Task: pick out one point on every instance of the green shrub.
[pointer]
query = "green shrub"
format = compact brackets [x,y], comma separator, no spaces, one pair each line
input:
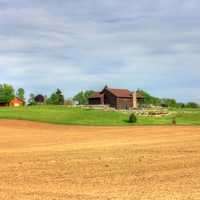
[132,118]
[174,121]
[192,105]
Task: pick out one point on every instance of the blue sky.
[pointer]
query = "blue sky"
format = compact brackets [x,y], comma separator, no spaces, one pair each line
[85,44]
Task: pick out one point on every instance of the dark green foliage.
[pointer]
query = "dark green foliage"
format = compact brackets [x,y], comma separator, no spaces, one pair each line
[151,100]
[7,93]
[20,93]
[181,105]
[56,98]
[192,105]
[169,103]
[165,102]
[60,97]
[82,97]
[53,99]
[148,99]
[132,118]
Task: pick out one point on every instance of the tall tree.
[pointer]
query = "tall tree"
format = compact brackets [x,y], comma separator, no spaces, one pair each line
[56,98]
[148,99]
[31,100]
[192,105]
[60,95]
[7,93]
[20,93]
[82,97]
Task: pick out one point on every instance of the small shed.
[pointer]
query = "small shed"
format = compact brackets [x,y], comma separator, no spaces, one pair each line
[16,102]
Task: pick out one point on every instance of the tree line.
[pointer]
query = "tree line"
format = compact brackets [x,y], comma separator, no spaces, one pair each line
[166,102]
[56,98]
[82,98]
[7,93]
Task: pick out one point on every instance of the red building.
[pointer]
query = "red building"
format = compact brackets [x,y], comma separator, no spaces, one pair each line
[16,102]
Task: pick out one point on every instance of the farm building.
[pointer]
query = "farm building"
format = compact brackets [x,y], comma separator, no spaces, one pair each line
[16,102]
[116,98]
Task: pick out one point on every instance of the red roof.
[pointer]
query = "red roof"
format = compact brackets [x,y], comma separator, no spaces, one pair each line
[17,100]
[120,92]
[116,92]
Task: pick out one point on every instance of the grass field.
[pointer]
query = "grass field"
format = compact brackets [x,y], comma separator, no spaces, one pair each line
[52,162]
[82,116]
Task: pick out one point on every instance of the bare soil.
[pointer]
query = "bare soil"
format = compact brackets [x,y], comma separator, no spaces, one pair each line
[50,162]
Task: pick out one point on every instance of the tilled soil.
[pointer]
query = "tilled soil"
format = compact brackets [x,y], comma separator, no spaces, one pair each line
[50,162]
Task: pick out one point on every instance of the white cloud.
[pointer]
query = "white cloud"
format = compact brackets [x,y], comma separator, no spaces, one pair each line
[89,43]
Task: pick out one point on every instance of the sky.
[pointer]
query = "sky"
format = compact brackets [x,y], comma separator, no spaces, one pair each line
[86,44]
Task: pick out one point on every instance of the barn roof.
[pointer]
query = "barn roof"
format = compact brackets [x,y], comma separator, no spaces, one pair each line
[123,93]
[18,99]
[120,92]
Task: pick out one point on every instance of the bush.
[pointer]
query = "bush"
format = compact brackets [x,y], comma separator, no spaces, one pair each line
[82,97]
[132,118]
[192,105]
[174,121]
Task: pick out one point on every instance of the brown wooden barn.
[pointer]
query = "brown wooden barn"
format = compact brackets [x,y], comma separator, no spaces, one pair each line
[116,98]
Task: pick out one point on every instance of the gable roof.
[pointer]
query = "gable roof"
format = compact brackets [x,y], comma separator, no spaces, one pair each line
[120,92]
[17,99]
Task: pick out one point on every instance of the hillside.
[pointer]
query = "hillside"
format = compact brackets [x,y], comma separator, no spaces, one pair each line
[84,116]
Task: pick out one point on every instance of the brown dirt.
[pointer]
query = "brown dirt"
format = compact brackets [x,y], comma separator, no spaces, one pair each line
[50,162]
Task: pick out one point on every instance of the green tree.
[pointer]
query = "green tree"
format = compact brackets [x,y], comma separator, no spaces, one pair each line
[192,105]
[56,98]
[181,105]
[148,99]
[53,99]
[7,93]
[31,100]
[61,98]
[82,97]
[20,93]
[169,103]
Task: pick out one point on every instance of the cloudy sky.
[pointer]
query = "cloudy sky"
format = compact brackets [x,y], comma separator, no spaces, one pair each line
[85,44]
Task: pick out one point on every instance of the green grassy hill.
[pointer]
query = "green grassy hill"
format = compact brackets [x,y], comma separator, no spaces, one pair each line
[83,116]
